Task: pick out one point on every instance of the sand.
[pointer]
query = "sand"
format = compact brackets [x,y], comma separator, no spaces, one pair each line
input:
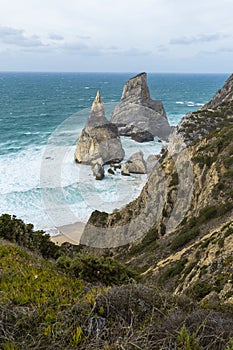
[69,233]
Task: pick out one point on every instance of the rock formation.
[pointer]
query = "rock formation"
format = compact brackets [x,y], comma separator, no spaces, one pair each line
[99,138]
[142,136]
[151,161]
[98,171]
[136,163]
[186,181]
[137,112]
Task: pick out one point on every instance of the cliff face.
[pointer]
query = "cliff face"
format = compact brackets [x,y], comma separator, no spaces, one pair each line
[183,216]
[138,112]
[99,140]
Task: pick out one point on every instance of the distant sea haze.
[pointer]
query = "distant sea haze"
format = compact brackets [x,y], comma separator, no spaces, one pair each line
[34,106]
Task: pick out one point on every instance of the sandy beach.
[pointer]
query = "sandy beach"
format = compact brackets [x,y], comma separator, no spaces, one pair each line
[69,233]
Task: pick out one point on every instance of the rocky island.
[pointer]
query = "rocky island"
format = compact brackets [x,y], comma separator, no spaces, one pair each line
[137,115]
[99,141]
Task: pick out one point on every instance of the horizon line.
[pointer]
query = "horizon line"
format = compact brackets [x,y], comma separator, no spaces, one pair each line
[107,72]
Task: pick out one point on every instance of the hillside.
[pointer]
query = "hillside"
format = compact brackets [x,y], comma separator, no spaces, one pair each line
[157,274]
[184,213]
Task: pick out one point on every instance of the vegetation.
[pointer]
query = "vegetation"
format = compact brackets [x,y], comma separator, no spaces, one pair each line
[96,269]
[16,231]
[67,298]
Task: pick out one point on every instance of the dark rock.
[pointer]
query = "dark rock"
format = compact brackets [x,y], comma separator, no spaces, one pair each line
[117,167]
[142,136]
[110,171]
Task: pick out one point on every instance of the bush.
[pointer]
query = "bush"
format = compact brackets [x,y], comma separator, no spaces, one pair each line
[186,340]
[199,290]
[173,270]
[16,231]
[97,269]
[207,213]
[184,237]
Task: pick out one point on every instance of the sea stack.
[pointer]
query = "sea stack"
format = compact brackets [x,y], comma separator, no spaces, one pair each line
[138,114]
[99,141]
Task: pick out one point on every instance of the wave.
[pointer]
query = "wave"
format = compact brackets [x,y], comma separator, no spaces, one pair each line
[190,103]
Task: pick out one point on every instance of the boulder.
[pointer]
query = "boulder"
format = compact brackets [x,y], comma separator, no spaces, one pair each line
[125,169]
[110,171]
[136,163]
[138,112]
[99,138]
[142,136]
[98,171]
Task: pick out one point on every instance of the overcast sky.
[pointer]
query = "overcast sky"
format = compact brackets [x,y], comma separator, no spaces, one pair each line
[116,36]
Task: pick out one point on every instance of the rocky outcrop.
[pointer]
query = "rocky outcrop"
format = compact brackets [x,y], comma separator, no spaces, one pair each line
[125,169]
[182,183]
[214,115]
[151,161]
[99,138]
[98,171]
[137,112]
[142,136]
[136,163]
[224,95]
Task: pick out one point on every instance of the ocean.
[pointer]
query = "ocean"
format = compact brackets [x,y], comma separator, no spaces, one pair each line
[41,117]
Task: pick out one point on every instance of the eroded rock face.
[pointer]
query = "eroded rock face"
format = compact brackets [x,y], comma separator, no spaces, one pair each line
[99,138]
[151,161]
[137,112]
[182,182]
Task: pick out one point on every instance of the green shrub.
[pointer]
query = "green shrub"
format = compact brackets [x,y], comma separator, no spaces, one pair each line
[96,269]
[184,237]
[98,218]
[173,270]
[174,180]
[148,243]
[16,231]
[229,174]
[186,340]
[228,162]
[207,213]
[199,290]
[230,345]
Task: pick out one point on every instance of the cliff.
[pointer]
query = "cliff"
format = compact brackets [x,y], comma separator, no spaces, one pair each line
[184,210]
[214,115]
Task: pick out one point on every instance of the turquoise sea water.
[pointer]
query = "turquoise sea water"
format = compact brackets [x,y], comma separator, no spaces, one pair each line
[35,113]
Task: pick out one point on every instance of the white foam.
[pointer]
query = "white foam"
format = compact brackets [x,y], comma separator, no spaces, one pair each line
[43,184]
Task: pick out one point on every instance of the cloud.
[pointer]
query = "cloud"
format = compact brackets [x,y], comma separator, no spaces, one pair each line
[16,37]
[84,37]
[56,37]
[201,38]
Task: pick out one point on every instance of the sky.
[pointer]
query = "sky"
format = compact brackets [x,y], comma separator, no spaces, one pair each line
[117,36]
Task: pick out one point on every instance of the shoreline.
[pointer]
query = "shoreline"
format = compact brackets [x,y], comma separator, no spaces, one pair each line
[69,233]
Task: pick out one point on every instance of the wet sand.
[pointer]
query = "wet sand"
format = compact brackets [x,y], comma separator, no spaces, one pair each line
[69,233]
